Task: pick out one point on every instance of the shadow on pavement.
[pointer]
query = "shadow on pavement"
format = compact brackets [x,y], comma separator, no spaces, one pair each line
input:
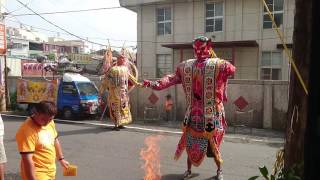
[211,178]
[12,176]
[85,131]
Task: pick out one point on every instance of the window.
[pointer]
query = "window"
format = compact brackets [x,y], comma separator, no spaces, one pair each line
[68,88]
[87,89]
[271,64]
[75,50]
[164,64]
[17,46]
[46,47]
[276,9]
[164,21]
[214,16]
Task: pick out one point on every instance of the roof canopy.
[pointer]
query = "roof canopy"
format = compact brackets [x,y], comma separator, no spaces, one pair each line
[69,77]
[225,44]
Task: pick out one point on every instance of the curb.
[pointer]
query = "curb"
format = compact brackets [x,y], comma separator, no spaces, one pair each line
[235,138]
[277,142]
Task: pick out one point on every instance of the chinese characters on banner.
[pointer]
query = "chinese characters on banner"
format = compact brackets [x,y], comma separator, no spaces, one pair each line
[32,69]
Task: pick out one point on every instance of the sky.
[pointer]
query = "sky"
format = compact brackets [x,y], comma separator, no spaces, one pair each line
[119,25]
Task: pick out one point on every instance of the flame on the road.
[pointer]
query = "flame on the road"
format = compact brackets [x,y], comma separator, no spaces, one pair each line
[150,155]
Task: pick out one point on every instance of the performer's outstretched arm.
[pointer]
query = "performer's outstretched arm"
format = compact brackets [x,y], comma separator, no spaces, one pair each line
[226,70]
[134,80]
[164,82]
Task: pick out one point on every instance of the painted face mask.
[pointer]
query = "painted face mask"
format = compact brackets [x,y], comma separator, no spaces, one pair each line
[121,60]
[201,46]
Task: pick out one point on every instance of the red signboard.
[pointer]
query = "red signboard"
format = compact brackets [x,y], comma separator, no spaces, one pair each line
[34,69]
[3,44]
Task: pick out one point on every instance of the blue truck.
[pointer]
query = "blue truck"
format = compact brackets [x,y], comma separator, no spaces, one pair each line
[77,95]
[74,94]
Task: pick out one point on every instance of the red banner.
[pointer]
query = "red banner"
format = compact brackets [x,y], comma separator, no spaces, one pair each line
[3,44]
[33,69]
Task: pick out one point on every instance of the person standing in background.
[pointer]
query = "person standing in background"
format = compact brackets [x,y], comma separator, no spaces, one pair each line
[168,106]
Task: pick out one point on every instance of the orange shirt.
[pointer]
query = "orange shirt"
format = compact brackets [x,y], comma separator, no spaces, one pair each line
[168,105]
[39,141]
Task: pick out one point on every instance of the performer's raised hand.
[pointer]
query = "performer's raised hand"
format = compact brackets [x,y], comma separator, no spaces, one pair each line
[140,85]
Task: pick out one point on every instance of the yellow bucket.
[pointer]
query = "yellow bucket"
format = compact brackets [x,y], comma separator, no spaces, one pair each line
[70,171]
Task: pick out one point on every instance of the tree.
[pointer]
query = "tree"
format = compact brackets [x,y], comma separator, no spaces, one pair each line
[299,138]
[312,136]
[52,56]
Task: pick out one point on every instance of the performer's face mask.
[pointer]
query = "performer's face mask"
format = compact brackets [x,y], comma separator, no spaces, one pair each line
[201,48]
[121,60]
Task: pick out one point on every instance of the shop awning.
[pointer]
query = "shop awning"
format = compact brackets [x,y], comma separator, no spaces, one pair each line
[225,44]
[280,46]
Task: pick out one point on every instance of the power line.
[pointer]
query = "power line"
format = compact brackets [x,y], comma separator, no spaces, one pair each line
[36,27]
[19,7]
[14,17]
[79,20]
[70,11]
[115,7]
[126,40]
[72,34]
[84,38]
[97,9]
[43,29]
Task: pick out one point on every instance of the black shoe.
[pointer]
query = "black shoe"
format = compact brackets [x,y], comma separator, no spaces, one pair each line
[187,174]
[121,127]
[116,129]
[219,175]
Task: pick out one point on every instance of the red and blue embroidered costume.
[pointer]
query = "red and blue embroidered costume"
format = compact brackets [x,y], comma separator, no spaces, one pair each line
[204,81]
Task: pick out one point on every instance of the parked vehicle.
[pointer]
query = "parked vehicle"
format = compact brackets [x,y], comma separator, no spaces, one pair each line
[74,94]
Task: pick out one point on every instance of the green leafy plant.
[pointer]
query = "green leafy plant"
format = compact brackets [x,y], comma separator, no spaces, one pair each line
[279,172]
[281,175]
[51,56]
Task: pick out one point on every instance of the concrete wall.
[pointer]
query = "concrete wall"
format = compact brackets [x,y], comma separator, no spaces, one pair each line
[245,60]
[267,103]
[247,63]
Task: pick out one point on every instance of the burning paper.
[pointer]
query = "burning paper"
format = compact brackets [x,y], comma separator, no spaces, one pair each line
[150,155]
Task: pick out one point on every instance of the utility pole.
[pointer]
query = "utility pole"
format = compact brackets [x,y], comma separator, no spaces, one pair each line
[3,47]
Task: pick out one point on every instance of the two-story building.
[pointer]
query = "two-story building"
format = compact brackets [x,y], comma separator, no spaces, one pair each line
[241,30]
[242,33]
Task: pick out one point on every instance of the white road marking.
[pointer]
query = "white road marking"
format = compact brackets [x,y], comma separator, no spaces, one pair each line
[105,125]
[230,138]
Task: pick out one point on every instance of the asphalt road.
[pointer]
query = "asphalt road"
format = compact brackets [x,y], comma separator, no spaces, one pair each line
[102,154]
